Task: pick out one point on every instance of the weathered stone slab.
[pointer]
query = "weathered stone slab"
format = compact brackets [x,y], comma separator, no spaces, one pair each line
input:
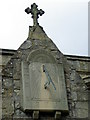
[39,98]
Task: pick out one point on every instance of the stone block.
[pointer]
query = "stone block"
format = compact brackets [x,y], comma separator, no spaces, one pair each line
[81,109]
[17,84]
[35,114]
[72,76]
[57,115]
[16,65]
[7,83]
[27,44]
[74,96]
[82,105]
[20,115]
[83,66]
[5,59]
[16,75]
[17,98]
[82,96]
[81,113]
[7,106]
[7,117]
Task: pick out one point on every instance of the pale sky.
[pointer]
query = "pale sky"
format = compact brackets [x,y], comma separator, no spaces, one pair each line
[64,21]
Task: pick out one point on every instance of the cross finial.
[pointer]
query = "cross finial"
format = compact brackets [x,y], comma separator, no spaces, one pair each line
[35,13]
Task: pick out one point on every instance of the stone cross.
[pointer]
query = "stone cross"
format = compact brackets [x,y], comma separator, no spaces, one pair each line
[35,13]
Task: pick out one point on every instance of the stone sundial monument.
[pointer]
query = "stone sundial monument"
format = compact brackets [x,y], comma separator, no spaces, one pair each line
[40,79]
[43,73]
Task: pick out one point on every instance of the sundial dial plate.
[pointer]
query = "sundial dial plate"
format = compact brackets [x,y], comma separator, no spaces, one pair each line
[35,96]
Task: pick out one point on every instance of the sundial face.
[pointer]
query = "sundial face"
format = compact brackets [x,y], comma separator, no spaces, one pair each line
[43,84]
[44,89]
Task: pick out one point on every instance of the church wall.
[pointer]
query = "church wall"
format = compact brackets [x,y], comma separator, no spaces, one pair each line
[80,93]
[77,92]
[5,56]
[80,63]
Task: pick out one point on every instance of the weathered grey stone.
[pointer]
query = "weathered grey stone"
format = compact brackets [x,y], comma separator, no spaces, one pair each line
[7,106]
[7,83]
[5,59]
[8,93]
[57,115]
[81,113]
[82,96]
[72,76]
[20,115]
[16,75]
[35,115]
[81,109]
[8,72]
[74,96]
[27,44]
[17,84]
[37,32]
[68,84]
[82,105]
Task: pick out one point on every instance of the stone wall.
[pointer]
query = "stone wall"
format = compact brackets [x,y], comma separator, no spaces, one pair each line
[5,56]
[79,89]
[78,93]
[82,67]
[80,63]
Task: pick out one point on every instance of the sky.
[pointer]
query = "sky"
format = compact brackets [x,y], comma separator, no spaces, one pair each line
[64,21]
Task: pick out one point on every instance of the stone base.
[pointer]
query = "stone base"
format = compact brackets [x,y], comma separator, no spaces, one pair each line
[35,114]
[57,115]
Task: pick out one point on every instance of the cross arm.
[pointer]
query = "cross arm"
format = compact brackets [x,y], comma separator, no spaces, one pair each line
[28,10]
[41,12]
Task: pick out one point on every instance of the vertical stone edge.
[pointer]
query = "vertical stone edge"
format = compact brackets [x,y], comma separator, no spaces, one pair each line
[1,86]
